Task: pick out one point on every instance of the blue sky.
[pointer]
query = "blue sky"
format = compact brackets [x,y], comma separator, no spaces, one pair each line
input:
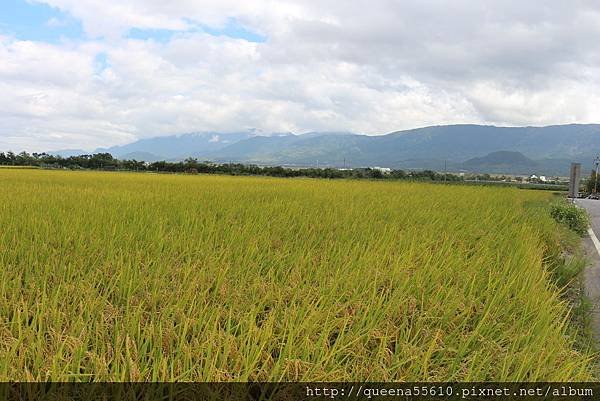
[37,22]
[40,22]
[232,29]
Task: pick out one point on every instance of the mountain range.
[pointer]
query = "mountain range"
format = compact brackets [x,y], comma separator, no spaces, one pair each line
[478,148]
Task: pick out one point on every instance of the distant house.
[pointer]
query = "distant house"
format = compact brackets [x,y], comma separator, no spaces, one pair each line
[536,178]
[384,170]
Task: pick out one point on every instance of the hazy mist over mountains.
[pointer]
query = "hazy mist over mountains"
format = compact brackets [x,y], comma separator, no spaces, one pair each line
[518,150]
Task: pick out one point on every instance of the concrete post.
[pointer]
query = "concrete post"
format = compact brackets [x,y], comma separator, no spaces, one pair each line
[574,180]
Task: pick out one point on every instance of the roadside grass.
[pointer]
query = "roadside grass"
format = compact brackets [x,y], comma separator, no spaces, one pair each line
[573,217]
[137,277]
[566,260]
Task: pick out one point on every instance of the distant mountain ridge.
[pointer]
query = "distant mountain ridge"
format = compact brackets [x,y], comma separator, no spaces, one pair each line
[179,146]
[501,157]
[67,152]
[457,147]
[550,148]
[501,161]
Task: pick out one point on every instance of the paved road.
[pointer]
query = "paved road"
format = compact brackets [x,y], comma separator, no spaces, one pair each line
[593,208]
[592,272]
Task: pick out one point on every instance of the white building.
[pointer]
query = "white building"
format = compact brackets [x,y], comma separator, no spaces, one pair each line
[384,170]
[534,177]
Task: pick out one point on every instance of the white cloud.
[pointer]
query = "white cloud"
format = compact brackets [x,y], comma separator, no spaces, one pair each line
[56,22]
[371,67]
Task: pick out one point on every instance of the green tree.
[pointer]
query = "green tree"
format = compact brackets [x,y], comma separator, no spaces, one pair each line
[589,185]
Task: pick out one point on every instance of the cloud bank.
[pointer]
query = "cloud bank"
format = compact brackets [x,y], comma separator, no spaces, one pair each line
[369,67]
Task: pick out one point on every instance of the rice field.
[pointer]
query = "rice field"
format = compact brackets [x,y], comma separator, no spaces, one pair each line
[145,277]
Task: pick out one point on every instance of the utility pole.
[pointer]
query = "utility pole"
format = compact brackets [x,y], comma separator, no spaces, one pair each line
[597,161]
[445,170]
[344,163]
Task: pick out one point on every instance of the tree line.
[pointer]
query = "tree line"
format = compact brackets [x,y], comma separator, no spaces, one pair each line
[105,161]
